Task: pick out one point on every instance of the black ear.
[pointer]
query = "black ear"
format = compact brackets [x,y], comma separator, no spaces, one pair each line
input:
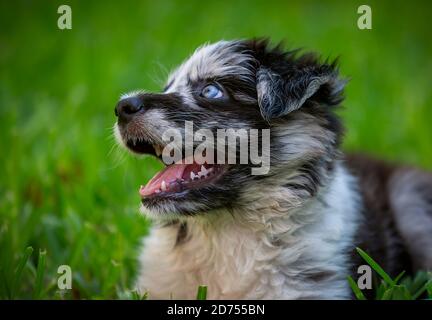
[286,82]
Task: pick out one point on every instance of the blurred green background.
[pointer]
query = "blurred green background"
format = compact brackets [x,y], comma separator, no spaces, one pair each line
[65,187]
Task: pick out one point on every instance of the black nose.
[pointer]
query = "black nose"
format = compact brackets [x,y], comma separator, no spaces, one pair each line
[128,107]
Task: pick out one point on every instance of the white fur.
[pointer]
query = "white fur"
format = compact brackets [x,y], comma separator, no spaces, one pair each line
[271,249]
[212,60]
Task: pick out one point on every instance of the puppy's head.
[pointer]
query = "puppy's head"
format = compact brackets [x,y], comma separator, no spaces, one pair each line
[244,84]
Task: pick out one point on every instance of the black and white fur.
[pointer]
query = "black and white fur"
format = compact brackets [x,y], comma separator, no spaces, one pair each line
[290,234]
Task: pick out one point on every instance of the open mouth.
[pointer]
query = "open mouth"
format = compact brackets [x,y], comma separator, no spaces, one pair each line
[178,177]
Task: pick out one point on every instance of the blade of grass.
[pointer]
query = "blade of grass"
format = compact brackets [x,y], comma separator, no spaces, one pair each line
[357,292]
[32,270]
[381,290]
[39,274]
[19,270]
[376,267]
[202,293]
[429,290]
[415,283]
[387,294]
[399,276]
[422,289]
[401,293]
[135,295]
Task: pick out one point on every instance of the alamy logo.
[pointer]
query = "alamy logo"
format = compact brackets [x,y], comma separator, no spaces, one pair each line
[244,146]
[65,19]
[64,281]
[365,280]
[364,22]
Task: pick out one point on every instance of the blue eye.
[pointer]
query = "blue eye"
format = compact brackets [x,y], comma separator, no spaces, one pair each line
[212,92]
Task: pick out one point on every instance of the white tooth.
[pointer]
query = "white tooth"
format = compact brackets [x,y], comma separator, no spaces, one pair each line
[158,150]
[192,175]
[203,170]
[163,185]
[157,191]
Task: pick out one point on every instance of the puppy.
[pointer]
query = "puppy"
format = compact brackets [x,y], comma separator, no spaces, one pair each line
[290,233]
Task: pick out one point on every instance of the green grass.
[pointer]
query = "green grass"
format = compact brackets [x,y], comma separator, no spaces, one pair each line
[66,190]
[399,288]
[202,293]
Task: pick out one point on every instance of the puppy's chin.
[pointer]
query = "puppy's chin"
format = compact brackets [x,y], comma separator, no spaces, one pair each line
[188,203]
[171,209]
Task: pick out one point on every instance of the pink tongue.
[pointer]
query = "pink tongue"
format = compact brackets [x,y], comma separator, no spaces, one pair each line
[169,174]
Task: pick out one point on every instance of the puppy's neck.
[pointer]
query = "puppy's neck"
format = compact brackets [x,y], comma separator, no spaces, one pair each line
[278,212]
